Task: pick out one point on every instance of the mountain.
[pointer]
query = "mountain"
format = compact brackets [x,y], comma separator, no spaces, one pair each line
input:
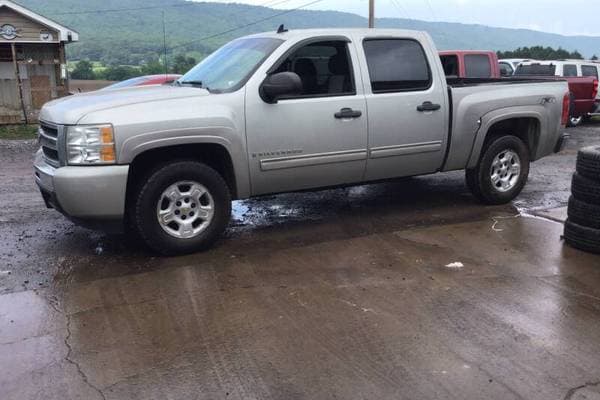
[133,37]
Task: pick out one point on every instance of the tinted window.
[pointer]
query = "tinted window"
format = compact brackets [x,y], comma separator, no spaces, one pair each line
[450,64]
[569,70]
[536,69]
[506,69]
[325,69]
[396,65]
[477,66]
[589,70]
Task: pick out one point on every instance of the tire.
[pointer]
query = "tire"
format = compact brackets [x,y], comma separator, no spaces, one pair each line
[585,189]
[479,179]
[179,177]
[588,162]
[582,238]
[584,214]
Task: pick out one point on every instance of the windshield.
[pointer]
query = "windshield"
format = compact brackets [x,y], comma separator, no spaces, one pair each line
[228,69]
[536,69]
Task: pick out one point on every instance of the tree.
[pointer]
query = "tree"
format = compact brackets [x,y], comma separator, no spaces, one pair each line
[120,73]
[83,70]
[541,53]
[182,64]
[594,58]
[153,67]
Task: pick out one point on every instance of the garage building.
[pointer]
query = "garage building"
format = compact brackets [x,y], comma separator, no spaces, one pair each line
[33,66]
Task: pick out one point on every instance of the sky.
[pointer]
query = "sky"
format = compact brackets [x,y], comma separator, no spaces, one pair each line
[555,16]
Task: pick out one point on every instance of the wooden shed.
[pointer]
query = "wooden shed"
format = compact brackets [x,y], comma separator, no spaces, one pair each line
[33,66]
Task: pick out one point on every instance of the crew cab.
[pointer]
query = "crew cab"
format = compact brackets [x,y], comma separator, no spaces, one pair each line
[470,64]
[287,111]
[583,84]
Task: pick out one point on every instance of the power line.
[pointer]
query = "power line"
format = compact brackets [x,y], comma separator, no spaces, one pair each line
[246,25]
[431,9]
[400,8]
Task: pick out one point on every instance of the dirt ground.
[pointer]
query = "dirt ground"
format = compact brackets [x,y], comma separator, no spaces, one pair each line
[409,289]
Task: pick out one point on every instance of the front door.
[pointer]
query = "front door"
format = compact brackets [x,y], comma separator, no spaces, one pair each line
[317,138]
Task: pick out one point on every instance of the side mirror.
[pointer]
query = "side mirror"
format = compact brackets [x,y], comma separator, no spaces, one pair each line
[280,85]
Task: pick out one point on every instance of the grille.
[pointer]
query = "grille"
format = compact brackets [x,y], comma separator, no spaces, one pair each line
[49,142]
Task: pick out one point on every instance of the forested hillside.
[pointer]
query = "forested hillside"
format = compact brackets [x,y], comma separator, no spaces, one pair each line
[136,37]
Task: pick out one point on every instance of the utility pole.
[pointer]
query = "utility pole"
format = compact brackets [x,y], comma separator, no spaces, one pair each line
[371,13]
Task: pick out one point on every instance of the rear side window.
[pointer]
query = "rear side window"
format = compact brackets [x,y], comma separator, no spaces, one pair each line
[450,64]
[589,70]
[397,65]
[569,70]
[477,66]
[536,69]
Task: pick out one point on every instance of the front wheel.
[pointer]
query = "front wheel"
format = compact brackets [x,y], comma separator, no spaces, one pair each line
[181,208]
[502,171]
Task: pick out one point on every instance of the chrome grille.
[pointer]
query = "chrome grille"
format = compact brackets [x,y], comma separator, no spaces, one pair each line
[49,139]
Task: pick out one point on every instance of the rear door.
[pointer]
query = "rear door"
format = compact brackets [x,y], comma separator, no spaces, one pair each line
[408,110]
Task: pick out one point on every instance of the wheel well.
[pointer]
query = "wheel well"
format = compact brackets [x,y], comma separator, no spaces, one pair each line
[526,129]
[213,155]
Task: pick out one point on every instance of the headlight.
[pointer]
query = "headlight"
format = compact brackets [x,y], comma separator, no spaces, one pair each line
[91,144]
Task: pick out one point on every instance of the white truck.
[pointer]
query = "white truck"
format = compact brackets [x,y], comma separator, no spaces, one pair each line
[287,111]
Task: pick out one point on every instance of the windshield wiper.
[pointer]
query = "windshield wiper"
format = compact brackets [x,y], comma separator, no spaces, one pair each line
[193,83]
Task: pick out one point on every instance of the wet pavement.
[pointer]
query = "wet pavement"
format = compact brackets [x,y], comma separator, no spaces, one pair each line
[409,289]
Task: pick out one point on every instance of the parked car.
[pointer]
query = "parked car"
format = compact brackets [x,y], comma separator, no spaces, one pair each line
[508,66]
[145,81]
[583,88]
[288,111]
[470,64]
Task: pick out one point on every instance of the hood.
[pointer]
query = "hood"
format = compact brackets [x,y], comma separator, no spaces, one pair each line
[69,110]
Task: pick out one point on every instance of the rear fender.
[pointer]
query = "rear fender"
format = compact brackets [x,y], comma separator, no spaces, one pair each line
[504,114]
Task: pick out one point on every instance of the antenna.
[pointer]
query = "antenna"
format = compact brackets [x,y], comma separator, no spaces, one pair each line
[165,43]
[282,29]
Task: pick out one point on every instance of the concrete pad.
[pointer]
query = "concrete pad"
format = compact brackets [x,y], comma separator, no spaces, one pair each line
[375,316]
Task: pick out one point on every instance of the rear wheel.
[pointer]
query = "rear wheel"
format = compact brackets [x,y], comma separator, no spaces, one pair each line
[502,171]
[182,207]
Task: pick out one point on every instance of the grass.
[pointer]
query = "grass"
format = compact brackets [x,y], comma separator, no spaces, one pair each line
[18,132]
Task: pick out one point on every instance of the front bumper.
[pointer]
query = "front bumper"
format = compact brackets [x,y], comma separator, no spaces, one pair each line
[85,193]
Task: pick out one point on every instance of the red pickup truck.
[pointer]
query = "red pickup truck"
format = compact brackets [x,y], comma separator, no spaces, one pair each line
[583,90]
[470,64]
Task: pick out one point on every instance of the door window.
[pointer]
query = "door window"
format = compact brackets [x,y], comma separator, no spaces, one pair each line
[477,66]
[325,69]
[569,70]
[506,69]
[397,65]
[589,70]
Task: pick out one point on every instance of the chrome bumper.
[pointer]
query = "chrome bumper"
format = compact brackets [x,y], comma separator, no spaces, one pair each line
[86,192]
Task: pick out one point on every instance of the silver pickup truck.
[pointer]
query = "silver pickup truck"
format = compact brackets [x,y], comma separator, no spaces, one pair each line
[287,111]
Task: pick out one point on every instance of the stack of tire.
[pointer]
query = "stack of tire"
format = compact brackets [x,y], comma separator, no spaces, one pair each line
[582,229]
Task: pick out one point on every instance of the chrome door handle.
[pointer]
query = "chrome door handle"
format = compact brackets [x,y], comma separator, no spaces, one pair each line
[428,106]
[348,113]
